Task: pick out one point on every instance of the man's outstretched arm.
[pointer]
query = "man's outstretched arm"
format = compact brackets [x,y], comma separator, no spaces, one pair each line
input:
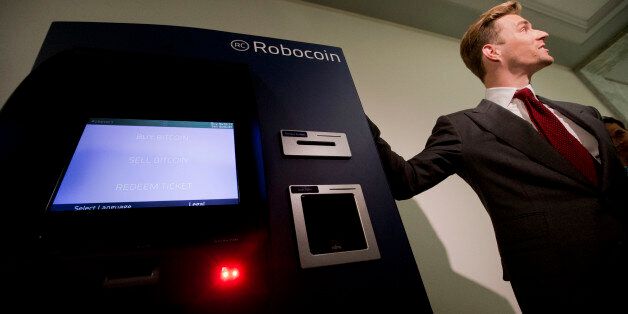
[439,159]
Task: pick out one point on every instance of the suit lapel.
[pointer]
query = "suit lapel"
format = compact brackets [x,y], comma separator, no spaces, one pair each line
[520,134]
[586,121]
[595,128]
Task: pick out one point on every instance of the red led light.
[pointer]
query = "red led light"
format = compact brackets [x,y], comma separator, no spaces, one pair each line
[229,273]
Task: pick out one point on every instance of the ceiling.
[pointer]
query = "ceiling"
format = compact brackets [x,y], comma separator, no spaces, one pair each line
[579,29]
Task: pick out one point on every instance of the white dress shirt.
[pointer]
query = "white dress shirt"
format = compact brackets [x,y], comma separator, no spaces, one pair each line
[503,96]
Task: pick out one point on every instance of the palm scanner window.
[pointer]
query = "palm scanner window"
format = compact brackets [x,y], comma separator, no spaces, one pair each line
[332,225]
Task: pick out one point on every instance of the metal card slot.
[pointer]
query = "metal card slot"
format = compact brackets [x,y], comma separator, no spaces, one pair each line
[314,144]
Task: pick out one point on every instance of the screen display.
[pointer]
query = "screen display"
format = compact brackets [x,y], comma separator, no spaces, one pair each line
[124,163]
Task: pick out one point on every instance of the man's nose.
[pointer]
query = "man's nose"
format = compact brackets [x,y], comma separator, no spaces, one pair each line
[542,34]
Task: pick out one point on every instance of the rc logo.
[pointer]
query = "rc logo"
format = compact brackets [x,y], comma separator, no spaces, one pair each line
[240,45]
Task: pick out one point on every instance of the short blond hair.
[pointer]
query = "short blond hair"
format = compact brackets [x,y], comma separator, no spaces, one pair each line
[482,32]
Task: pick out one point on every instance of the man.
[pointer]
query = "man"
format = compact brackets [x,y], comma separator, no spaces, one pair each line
[619,135]
[545,171]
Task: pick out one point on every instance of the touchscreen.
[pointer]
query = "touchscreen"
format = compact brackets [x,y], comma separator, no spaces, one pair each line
[124,163]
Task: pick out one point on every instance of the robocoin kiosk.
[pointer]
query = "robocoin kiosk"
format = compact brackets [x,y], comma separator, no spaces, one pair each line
[154,167]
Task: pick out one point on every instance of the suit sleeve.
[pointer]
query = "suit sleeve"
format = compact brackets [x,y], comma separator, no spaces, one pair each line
[440,159]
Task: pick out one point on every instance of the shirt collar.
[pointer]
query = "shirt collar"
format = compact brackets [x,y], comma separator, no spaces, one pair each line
[503,95]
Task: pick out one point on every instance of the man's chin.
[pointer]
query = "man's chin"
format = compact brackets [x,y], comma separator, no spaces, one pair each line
[545,62]
[548,60]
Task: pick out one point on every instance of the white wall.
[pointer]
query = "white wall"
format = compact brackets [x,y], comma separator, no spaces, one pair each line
[405,77]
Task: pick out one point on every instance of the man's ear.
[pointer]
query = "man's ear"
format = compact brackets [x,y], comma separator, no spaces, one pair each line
[491,52]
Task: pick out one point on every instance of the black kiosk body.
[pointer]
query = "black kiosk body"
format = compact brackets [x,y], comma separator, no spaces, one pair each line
[193,170]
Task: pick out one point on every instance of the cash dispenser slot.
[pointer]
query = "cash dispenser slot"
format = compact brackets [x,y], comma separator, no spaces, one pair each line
[130,273]
[316,143]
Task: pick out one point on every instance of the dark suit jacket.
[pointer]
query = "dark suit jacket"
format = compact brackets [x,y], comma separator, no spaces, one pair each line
[548,219]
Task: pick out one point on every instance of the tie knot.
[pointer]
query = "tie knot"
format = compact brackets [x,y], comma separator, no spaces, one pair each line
[523,94]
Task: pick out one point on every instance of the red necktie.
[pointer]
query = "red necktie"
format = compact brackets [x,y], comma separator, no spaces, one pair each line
[558,136]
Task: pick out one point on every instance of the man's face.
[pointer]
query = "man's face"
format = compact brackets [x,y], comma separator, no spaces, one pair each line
[521,47]
[620,140]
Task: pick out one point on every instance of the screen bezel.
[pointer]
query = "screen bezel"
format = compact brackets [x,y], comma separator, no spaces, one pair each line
[161,226]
